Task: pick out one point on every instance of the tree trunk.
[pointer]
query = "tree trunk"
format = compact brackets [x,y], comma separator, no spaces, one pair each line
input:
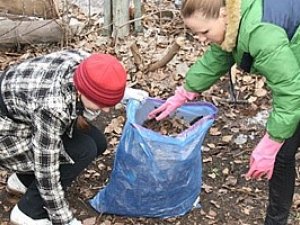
[121,16]
[37,8]
[28,32]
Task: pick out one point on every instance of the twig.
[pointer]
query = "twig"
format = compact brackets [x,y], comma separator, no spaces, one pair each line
[146,16]
[227,100]
[12,54]
[240,190]
[240,153]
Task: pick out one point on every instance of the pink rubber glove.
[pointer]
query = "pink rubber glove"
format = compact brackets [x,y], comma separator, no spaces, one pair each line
[172,103]
[263,158]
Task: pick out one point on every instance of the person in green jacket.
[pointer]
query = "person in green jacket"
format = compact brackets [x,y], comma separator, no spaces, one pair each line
[263,37]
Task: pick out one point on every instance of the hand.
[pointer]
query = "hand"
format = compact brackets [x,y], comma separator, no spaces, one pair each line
[172,103]
[137,94]
[75,222]
[263,158]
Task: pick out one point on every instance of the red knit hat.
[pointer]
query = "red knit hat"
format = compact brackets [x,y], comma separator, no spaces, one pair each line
[102,79]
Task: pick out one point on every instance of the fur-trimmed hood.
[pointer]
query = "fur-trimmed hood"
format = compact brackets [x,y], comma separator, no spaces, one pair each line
[233,12]
[258,37]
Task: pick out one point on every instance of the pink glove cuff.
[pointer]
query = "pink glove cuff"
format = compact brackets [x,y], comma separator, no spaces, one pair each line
[186,94]
[181,96]
[269,146]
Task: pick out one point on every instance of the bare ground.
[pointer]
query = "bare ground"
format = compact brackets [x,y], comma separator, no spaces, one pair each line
[226,197]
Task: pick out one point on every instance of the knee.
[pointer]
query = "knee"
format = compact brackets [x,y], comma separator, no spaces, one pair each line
[101,146]
[89,150]
[99,138]
[86,151]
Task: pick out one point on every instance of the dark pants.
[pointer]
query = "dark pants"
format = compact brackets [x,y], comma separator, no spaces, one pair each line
[83,148]
[281,186]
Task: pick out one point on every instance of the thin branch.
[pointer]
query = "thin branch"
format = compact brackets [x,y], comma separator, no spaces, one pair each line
[146,16]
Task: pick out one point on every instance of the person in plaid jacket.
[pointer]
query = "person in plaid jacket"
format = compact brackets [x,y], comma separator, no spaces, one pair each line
[46,136]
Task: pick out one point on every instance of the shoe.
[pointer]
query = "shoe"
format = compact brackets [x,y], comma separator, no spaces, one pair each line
[15,186]
[17,217]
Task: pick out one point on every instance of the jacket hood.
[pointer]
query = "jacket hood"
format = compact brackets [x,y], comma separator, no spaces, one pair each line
[233,11]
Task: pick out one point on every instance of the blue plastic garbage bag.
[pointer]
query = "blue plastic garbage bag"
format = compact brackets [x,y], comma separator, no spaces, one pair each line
[156,175]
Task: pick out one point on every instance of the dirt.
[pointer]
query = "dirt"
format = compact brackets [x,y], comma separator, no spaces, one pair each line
[227,198]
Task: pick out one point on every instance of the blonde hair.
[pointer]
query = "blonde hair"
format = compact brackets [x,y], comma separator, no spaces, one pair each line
[209,8]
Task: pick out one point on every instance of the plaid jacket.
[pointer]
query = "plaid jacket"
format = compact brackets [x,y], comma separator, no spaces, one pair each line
[41,101]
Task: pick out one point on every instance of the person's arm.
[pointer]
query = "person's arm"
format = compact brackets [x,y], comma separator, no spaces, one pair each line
[204,73]
[274,59]
[208,69]
[47,145]
[178,99]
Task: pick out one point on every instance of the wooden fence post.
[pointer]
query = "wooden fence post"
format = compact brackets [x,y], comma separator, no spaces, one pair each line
[107,17]
[116,17]
[138,14]
[120,17]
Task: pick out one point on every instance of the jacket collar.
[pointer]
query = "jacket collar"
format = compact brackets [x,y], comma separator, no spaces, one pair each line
[233,9]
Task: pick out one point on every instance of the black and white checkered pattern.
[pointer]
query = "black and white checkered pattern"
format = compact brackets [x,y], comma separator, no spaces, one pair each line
[41,101]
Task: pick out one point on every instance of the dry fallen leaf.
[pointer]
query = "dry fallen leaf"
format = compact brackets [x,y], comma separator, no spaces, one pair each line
[90,221]
[212,213]
[227,138]
[207,159]
[215,203]
[225,171]
[252,99]
[246,211]
[214,131]
[231,181]
[211,145]
[260,92]
[207,188]
[212,175]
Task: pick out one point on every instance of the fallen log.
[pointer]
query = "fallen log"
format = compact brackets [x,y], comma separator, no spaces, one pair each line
[29,32]
[47,9]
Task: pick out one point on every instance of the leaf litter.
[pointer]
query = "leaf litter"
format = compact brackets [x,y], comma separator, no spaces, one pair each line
[227,198]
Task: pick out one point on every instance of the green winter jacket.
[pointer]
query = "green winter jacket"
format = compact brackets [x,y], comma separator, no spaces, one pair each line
[272,54]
